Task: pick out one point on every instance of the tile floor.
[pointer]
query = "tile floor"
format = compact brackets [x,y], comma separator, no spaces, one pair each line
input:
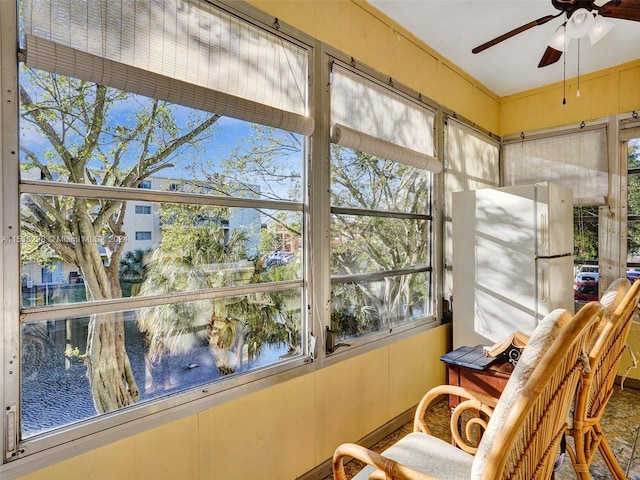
[621,422]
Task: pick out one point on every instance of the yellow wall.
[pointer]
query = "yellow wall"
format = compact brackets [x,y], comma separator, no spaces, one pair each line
[629,360]
[277,433]
[604,93]
[370,37]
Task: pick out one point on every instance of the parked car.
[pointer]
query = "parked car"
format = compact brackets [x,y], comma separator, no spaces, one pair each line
[633,275]
[588,273]
[585,291]
[279,258]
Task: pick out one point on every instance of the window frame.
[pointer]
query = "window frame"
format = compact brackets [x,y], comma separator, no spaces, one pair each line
[186,401]
[143,210]
[376,339]
[612,216]
[66,442]
[601,126]
[74,439]
[141,235]
[629,130]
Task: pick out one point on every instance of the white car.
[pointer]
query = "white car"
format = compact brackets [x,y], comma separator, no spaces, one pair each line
[279,258]
[588,273]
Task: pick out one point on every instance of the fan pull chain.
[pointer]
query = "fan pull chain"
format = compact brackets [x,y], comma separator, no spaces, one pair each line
[578,91]
[564,68]
[564,78]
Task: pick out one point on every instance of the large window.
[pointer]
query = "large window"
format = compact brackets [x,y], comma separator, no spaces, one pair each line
[578,159]
[164,207]
[381,207]
[161,204]
[630,137]
[200,246]
[471,162]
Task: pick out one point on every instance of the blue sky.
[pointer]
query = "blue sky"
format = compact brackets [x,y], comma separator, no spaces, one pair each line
[223,138]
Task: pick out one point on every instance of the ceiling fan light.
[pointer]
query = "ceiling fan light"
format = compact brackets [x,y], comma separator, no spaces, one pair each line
[601,26]
[580,23]
[557,41]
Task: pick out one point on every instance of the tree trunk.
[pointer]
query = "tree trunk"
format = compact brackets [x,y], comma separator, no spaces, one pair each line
[85,107]
[108,368]
[111,379]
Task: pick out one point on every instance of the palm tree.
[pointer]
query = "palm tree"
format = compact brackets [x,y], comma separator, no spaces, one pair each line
[132,265]
[195,259]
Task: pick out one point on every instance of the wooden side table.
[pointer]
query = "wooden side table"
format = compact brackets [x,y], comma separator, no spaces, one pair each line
[491,381]
[470,368]
[467,367]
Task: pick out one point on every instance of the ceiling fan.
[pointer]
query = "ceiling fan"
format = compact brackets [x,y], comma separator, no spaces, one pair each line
[582,17]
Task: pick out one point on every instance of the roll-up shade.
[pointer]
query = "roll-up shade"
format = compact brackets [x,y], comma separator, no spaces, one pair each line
[577,160]
[66,61]
[628,133]
[472,159]
[360,105]
[186,52]
[348,137]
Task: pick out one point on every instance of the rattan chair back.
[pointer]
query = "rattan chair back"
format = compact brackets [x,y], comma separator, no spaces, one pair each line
[596,388]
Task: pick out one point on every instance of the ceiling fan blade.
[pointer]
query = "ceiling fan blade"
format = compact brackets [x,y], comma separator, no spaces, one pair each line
[623,9]
[551,55]
[514,32]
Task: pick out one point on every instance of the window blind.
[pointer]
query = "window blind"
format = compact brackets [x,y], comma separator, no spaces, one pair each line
[577,160]
[356,140]
[627,133]
[472,161]
[183,51]
[372,118]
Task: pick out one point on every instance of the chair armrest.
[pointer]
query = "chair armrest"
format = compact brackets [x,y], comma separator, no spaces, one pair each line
[387,468]
[468,419]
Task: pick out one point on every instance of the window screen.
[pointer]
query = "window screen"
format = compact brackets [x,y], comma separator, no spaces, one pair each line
[189,53]
[577,160]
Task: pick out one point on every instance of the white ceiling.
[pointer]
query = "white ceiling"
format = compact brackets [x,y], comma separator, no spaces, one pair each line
[454,27]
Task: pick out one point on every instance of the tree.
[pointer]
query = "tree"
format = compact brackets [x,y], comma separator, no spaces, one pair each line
[98,136]
[377,243]
[197,253]
[585,232]
[368,244]
[268,164]
[633,200]
[132,265]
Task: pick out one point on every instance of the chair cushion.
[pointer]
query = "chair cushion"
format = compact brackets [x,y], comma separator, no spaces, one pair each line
[541,339]
[427,454]
[610,300]
[613,295]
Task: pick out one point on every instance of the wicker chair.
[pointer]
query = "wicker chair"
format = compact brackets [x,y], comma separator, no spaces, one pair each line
[596,386]
[525,425]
